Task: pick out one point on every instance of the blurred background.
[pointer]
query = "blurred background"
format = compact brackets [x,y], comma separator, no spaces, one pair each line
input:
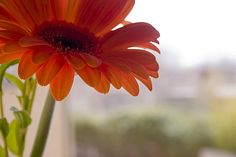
[191,111]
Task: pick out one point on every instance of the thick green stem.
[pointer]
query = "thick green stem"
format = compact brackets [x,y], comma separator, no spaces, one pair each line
[44,126]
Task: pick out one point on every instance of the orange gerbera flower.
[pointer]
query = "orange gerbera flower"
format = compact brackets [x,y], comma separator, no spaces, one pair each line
[55,39]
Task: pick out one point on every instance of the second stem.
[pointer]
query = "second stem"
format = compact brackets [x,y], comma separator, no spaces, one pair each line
[44,126]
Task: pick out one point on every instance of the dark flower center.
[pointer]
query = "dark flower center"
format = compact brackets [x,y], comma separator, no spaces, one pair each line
[66,37]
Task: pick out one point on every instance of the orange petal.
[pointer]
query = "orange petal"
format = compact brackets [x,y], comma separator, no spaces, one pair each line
[3,13]
[137,55]
[62,82]
[43,10]
[71,12]
[118,63]
[91,76]
[103,15]
[9,35]
[49,70]
[153,66]
[136,68]
[76,61]
[12,26]
[41,54]
[92,61]
[130,84]
[58,9]
[18,11]
[146,82]
[103,86]
[26,66]
[125,22]
[137,61]
[119,18]
[30,41]
[129,36]
[33,9]
[153,74]
[113,75]
[150,46]
[4,58]
[139,70]
[12,47]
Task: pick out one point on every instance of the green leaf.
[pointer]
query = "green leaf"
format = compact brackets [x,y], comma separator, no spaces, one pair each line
[3,69]
[22,117]
[15,81]
[14,138]
[4,127]
[2,152]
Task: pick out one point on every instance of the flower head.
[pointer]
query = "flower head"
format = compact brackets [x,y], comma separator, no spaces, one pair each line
[56,39]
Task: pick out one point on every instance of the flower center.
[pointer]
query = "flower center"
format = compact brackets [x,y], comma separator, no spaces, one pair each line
[66,37]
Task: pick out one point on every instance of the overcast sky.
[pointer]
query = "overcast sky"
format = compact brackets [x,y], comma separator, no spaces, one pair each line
[195,31]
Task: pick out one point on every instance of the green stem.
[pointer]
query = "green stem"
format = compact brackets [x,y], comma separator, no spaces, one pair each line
[26,93]
[31,94]
[32,97]
[2,116]
[1,105]
[5,147]
[3,69]
[44,126]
